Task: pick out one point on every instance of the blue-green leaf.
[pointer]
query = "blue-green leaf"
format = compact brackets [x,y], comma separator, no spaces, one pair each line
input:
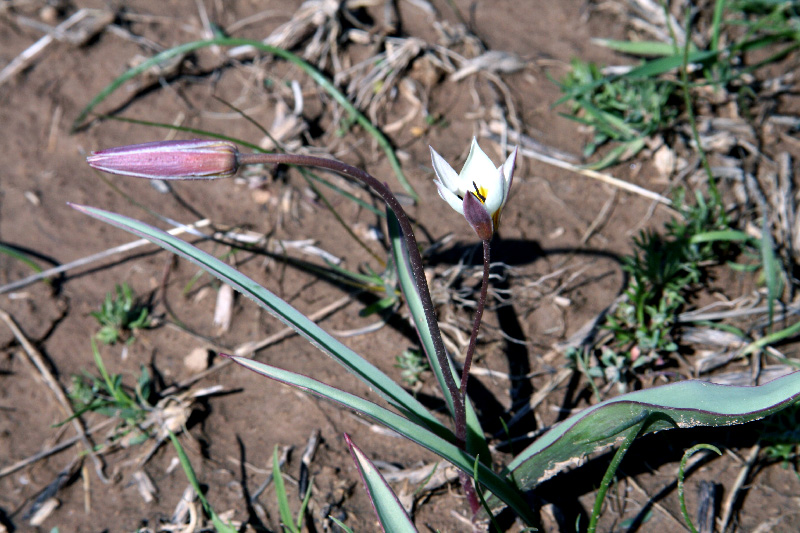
[391,515]
[360,367]
[679,405]
[502,488]
[476,441]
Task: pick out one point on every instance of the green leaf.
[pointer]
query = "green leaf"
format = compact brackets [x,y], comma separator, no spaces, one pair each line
[280,493]
[360,367]
[685,404]
[638,48]
[771,270]
[15,253]
[309,69]
[499,486]
[409,287]
[391,515]
[219,525]
[476,442]
[729,235]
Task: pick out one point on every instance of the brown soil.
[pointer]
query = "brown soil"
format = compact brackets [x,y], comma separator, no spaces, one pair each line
[231,436]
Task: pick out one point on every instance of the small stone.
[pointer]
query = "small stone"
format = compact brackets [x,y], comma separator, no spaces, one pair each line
[197,360]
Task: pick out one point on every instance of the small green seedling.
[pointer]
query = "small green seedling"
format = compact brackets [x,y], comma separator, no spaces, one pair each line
[781,436]
[289,523]
[412,364]
[108,396]
[120,316]
[219,525]
[623,110]
[663,271]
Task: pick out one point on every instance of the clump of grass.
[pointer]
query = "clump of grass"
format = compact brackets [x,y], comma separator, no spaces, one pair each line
[120,316]
[107,396]
[663,272]
[624,110]
[781,436]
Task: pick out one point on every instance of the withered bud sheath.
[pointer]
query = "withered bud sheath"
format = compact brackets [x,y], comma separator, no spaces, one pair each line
[477,217]
[194,159]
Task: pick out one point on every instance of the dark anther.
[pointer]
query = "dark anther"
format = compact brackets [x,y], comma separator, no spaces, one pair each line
[478,193]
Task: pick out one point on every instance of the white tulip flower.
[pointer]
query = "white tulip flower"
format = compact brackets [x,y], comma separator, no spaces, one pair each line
[479,192]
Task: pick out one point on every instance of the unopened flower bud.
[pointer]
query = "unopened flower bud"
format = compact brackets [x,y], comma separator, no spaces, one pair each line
[477,217]
[195,159]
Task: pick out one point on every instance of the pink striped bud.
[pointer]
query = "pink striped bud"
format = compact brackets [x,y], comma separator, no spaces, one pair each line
[195,159]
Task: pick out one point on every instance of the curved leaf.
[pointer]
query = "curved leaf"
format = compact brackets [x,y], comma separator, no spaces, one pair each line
[393,393]
[685,404]
[476,441]
[391,515]
[500,487]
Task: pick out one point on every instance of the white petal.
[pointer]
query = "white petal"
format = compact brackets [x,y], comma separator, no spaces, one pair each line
[455,202]
[495,192]
[508,171]
[478,168]
[446,174]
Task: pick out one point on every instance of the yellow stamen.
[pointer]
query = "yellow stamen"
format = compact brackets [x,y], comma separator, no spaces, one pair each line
[480,193]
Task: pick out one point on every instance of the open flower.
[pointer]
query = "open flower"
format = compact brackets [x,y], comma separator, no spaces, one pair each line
[195,159]
[479,192]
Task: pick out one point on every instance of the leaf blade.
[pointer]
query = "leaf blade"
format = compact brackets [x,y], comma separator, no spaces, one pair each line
[360,367]
[391,514]
[684,404]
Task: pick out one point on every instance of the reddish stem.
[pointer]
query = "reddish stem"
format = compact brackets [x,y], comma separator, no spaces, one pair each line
[476,325]
[459,412]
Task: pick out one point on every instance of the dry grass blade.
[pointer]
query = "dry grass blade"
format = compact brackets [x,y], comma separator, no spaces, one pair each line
[97,257]
[735,492]
[66,407]
[77,29]
[593,174]
[10,469]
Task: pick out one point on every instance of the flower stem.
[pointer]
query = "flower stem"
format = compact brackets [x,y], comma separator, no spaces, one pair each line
[476,325]
[459,411]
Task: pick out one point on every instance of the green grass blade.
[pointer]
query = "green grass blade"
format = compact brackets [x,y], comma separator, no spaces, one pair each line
[280,493]
[19,256]
[685,404]
[771,270]
[360,367]
[638,48]
[772,338]
[500,487]
[728,235]
[309,69]
[391,515]
[345,527]
[219,525]
[476,441]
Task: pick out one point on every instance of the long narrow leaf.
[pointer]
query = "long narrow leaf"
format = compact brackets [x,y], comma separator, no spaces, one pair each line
[309,69]
[409,287]
[638,48]
[360,367]
[499,486]
[280,493]
[391,515]
[476,442]
[219,525]
[771,270]
[683,405]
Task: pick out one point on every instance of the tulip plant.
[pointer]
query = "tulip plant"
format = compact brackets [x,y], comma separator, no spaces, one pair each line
[479,192]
